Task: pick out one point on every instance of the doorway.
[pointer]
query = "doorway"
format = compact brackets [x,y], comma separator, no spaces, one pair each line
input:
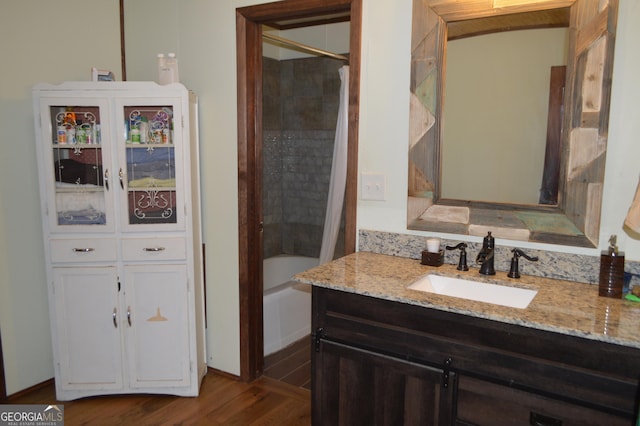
[249,21]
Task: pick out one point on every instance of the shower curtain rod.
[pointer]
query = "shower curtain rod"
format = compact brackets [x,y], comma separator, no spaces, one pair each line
[304,46]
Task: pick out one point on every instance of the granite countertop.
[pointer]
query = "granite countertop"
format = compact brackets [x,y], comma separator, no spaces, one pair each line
[565,307]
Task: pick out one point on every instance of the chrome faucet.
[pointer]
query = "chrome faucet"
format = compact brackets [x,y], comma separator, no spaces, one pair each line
[485,257]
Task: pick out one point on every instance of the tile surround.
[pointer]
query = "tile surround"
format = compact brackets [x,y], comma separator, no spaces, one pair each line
[300,106]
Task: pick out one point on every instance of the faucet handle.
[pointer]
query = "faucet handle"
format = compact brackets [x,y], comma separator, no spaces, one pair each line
[462,263]
[513,271]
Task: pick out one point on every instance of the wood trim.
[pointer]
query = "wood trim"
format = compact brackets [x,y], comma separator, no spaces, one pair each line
[249,48]
[308,23]
[249,72]
[351,192]
[123,58]
[292,9]
[553,151]
[553,18]
[3,385]
[455,10]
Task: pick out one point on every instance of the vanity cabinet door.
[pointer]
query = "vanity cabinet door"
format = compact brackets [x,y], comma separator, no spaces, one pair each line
[483,403]
[358,387]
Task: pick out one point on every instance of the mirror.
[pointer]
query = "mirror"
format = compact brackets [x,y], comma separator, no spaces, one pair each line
[572,217]
[496,111]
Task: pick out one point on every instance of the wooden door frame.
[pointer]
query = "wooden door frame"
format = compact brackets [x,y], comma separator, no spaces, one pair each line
[249,81]
[3,384]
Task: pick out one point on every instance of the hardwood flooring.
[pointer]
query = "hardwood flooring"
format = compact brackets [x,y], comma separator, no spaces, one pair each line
[292,364]
[222,401]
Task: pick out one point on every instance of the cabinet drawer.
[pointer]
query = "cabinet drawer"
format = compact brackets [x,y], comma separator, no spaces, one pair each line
[83,250]
[485,403]
[154,248]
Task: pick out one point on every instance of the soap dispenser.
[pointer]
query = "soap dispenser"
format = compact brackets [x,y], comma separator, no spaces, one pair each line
[611,271]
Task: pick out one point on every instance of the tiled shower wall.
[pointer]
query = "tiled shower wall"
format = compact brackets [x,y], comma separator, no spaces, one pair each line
[300,107]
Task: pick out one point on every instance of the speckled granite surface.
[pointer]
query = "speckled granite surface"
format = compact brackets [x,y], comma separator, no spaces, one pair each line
[562,266]
[565,307]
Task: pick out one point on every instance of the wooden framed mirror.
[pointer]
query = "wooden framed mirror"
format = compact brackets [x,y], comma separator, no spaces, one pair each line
[574,218]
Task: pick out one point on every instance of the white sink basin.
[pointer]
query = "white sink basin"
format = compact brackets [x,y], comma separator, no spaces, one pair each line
[473,290]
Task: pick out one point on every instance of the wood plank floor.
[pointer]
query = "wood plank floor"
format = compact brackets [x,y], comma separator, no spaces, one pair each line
[292,364]
[222,401]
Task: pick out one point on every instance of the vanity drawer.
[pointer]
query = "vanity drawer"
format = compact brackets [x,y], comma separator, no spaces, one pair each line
[480,402]
[141,249]
[83,250]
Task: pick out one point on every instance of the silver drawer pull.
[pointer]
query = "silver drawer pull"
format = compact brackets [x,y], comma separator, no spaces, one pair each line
[153,248]
[83,250]
[115,321]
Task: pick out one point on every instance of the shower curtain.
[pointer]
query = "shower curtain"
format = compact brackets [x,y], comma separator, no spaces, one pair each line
[338,178]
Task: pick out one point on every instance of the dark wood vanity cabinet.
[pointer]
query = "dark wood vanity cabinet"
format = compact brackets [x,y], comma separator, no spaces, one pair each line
[361,387]
[383,362]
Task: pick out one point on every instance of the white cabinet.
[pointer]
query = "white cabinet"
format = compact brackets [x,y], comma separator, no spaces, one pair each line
[156,309]
[118,169]
[88,344]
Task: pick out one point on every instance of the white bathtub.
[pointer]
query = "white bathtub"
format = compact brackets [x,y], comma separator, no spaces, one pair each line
[286,304]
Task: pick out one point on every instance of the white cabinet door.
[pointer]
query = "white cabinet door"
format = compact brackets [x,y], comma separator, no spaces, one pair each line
[157,333]
[87,324]
[150,156]
[75,160]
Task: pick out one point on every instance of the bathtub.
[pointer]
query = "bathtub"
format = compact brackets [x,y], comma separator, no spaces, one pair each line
[286,304]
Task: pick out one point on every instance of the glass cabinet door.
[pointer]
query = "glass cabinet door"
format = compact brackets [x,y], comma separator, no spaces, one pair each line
[148,173]
[80,166]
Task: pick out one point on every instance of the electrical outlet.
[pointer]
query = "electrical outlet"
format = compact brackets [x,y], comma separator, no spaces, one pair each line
[372,187]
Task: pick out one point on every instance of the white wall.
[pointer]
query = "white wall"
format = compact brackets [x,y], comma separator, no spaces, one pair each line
[202,33]
[623,152]
[42,41]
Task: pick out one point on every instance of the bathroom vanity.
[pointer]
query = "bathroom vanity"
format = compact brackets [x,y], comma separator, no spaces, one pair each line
[386,354]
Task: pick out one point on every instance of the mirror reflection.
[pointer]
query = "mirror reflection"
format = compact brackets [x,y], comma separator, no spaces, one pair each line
[496,104]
